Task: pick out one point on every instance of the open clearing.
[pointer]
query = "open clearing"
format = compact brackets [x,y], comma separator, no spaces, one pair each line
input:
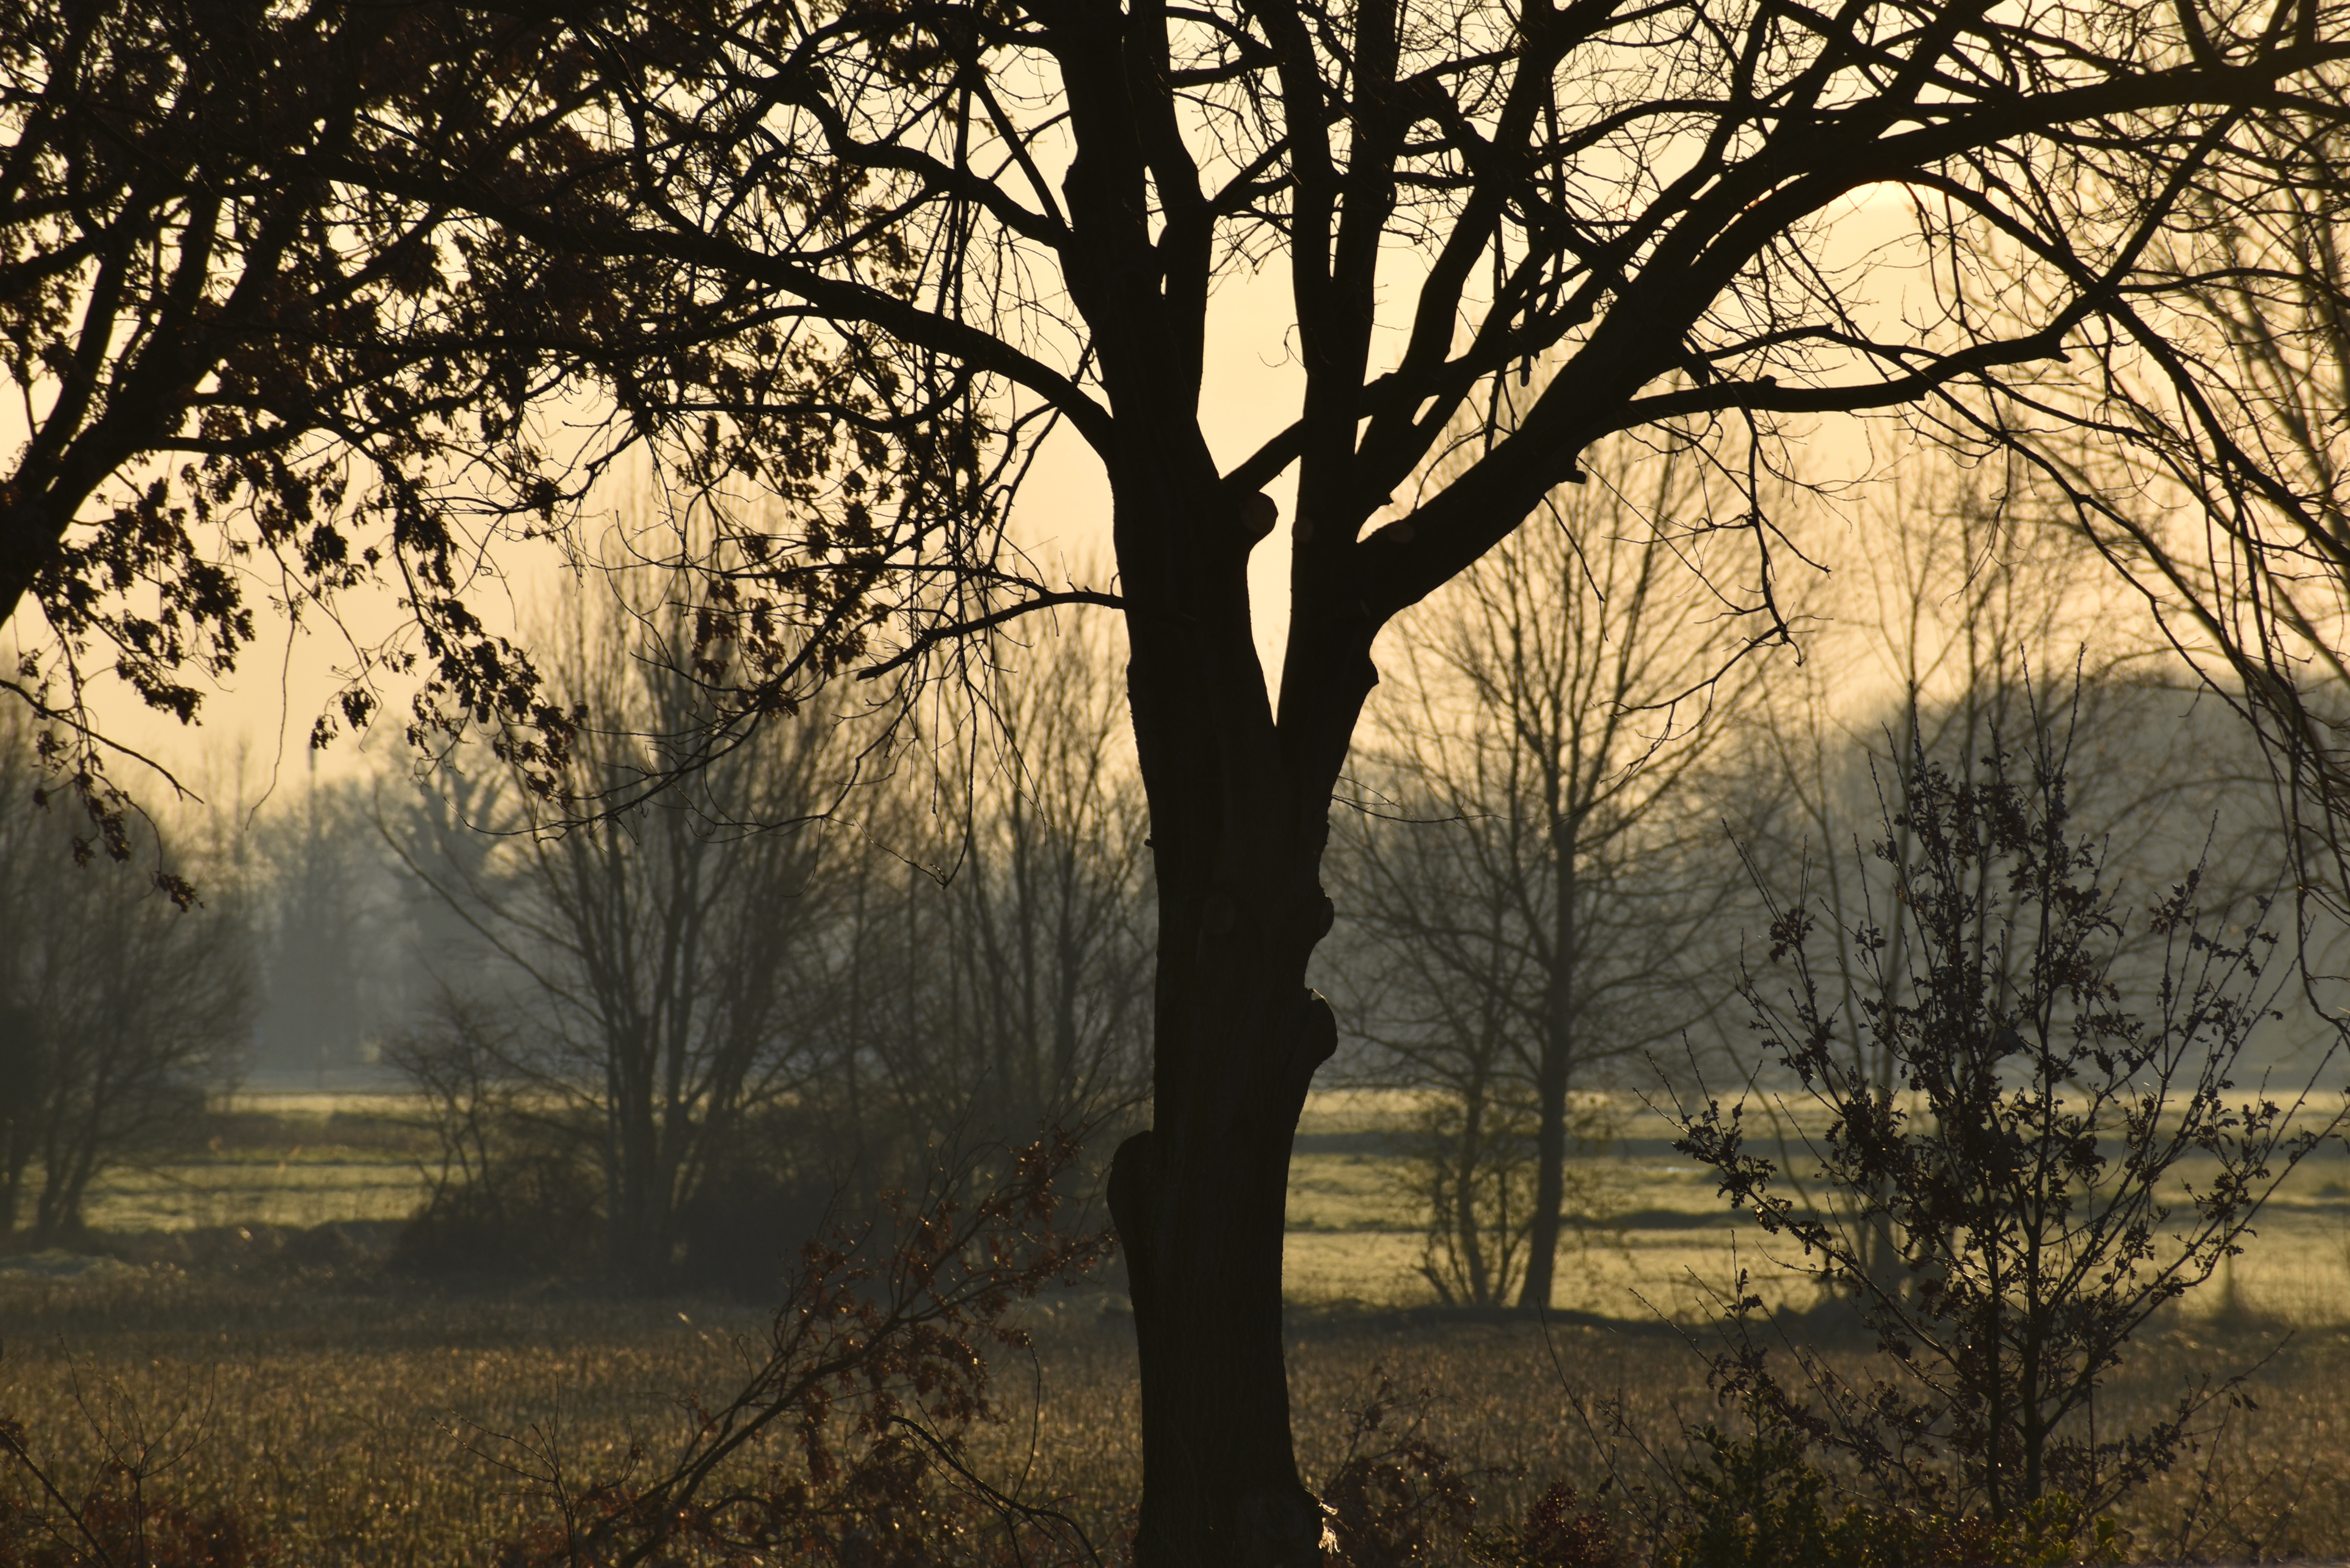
[1658,1240]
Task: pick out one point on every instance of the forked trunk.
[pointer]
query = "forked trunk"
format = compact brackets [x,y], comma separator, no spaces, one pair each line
[1239,816]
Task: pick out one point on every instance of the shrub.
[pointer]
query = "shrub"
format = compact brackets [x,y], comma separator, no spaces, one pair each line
[120,1523]
[1395,1501]
[1557,1533]
[1759,1502]
[2005,1122]
[776,1182]
[510,1192]
[534,1211]
[844,1445]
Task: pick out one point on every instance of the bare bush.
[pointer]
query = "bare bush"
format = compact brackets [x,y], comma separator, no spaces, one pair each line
[125,1520]
[842,1443]
[2020,1160]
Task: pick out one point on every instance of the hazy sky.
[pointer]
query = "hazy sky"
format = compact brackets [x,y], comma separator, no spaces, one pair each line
[1254,384]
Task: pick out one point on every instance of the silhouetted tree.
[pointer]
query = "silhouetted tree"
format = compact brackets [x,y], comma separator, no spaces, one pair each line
[866,260]
[656,958]
[1539,873]
[233,368]
[993,968]
[119,1011]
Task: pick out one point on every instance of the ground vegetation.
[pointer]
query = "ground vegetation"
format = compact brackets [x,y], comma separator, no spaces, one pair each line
[386,1396]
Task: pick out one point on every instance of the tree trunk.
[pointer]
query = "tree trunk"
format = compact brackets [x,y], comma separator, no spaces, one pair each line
[24,1093]
[1239,814]
[1550,1173]
[1552,1070]
[1199,1202]
[66,1171]
[1466,1227]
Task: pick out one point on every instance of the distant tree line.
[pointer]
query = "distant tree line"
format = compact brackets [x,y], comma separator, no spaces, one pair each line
[662,1040]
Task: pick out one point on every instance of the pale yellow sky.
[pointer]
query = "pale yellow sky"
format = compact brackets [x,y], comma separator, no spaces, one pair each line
[1254,386]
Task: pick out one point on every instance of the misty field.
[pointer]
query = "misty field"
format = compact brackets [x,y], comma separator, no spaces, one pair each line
[1655,1240]
[355,1415]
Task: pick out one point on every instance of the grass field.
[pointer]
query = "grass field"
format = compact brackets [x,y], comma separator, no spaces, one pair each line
[1666,1245]
[1661,1240]
[373,1426]
[358,1419]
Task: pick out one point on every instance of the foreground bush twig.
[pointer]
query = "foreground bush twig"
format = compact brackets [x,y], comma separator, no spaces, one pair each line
[874,1366]
[119,1522]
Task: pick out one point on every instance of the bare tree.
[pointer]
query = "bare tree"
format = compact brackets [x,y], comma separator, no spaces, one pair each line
[1979,624]
[1542,878]
[658,946]
[119,1011]
[954,955]
[1432,993]
[1050,966]
[996,969]
[2021,1168]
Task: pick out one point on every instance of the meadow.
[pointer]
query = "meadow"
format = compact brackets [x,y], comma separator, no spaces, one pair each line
[382,1425]
[358,1417]
[1657,1241]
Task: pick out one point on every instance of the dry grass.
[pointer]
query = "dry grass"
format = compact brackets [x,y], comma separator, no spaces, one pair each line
[2271,1483]
[351,1426]
[308,1160]
[358,1423]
